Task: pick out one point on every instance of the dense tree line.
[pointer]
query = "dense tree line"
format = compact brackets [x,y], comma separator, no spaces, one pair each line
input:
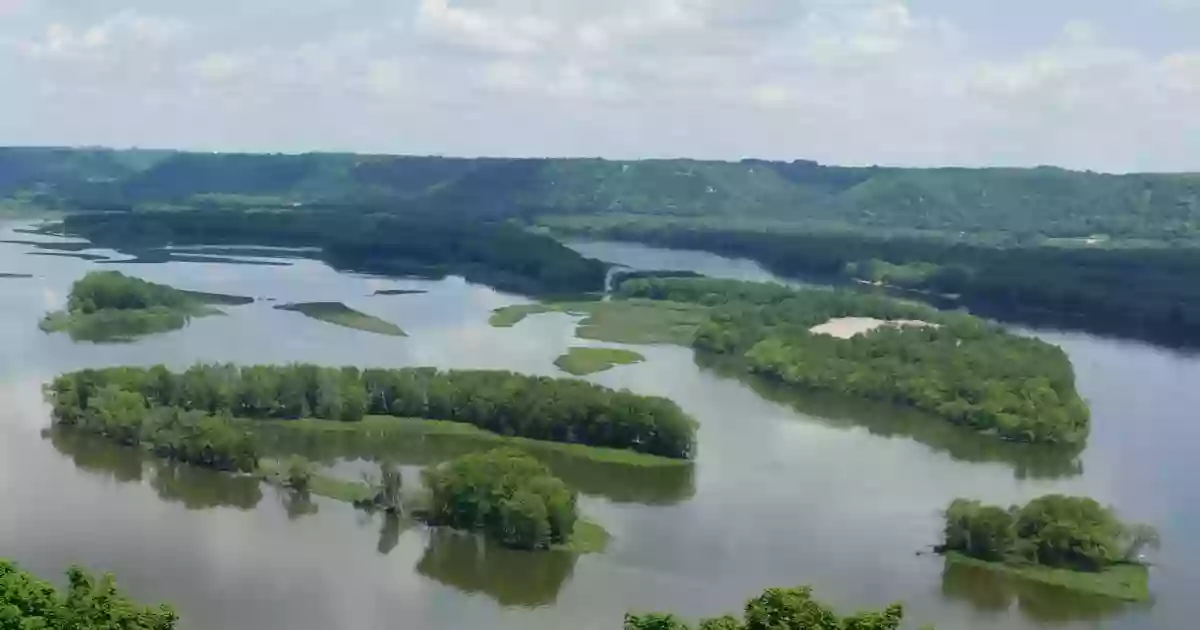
[1011,201]
[558,410]
[506,494]
[958,367]
[1074,533]
[498,254]
[1141,292]
[87,603]
[113,290]
[778,609]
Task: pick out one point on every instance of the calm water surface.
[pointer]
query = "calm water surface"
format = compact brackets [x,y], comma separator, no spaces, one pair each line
[785,490]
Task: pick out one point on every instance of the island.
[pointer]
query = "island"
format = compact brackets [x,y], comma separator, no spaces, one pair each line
[339,314]
[86,602]
[584,361]
[109,306]
[630,321]
[1072,542]
[950,365]
[400,292]
[11,276]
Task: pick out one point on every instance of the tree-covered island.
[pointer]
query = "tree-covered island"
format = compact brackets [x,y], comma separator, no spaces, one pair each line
[948,364]
[111,306]
[1073,542]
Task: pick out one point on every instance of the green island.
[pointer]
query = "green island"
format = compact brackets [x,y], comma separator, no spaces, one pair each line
[189,417]
[584,361]
[109,306]
[339,314]
[630,321]
[86,603]
[386,292]
[1072,542]
[949,364]
[12,276]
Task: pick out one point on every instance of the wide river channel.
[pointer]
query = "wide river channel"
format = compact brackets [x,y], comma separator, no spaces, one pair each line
[785,490]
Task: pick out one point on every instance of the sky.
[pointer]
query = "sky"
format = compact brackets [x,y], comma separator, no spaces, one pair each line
[1109,85]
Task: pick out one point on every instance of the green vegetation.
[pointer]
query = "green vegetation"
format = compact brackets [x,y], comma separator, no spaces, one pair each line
[630,321]
[1129,582]
[1069,541]
[400,292]
[960,369]
[110,306]
[306,480]
[507,495]
[1144,292]
[87,603]
[584,361]
[9,276]
[778,609]
[424,245]
[556,410]
[341,315]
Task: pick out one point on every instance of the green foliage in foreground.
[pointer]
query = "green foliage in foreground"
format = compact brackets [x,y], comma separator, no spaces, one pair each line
[110,306]
[1128,582]
[556,410]
[958,368]
[506,494]
[341,315]
[629,321]
[584,361]
[1051,537]
[778,609]
[87,603]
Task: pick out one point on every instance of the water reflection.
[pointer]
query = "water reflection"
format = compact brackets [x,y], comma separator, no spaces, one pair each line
[472,565]
[1027,460]
[618,483]
[194,488]
[993,593]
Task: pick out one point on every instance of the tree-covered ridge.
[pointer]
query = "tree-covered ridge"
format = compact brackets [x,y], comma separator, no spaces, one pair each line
[778,609]
[87,603]
[1049,201]
[498,254]
[111,306]
[540,408]
[505,493]
[1141,292]
[958,368]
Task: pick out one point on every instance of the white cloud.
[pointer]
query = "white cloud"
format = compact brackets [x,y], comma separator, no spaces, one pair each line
[856,81]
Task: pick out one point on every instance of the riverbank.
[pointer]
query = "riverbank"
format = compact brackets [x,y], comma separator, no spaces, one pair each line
[1128,582]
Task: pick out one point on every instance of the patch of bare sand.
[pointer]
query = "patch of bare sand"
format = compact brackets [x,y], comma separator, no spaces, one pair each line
[847,327]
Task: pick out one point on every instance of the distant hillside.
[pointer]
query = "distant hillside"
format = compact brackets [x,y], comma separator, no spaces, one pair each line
[1044,201]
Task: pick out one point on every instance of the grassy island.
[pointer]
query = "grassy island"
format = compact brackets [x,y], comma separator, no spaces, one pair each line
[630,321]
[86,603]
[1072,542]
[110,306]
[950,365]
[339,314]
[584,361]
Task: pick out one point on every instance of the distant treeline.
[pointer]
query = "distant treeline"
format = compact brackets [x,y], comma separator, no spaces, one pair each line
[1148,293]
[195,405]
[1020,203]
[959,367]
[497,254]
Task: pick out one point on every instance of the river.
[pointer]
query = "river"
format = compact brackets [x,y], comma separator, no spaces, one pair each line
[785,491]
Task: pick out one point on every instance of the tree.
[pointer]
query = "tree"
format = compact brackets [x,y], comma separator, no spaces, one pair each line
[299,474]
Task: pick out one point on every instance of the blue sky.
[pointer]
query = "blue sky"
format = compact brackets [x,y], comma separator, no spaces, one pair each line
[1097,84]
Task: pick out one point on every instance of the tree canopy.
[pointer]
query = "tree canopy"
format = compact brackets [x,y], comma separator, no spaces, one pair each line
[954,366]
[87,603]
[506,494]
[114,401]
[778,609]
[1059,531]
